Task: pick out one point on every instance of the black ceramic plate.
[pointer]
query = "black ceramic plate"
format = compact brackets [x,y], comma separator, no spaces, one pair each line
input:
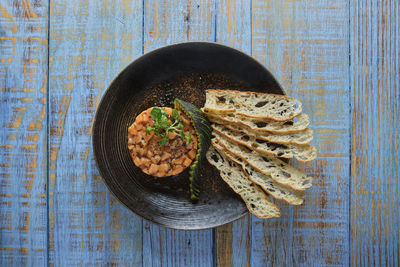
[178,71]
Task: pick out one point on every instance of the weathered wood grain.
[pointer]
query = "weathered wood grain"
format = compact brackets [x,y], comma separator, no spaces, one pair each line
[375,84]
[305,45]
[232,243]
[233,28]
[23,89]
[168,22]
[90,42]
[168,247]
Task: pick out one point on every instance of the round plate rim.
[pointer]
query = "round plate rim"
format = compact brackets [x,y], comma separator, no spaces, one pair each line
[108,90]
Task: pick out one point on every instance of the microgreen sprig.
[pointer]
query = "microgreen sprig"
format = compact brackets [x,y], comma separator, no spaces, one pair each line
[164,124]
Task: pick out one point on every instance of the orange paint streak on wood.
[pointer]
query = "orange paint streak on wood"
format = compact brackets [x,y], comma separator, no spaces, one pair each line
[287,38]
[375,127]
[233,28]
[6,15]
[23,76]
[94,51]
[224,245]
[18,114]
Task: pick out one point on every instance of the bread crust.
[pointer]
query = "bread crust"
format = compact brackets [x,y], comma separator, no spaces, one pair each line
[302,153]
[299,138]
[273,210]
[273,188]
[279,171]
[300,123]
[291,109]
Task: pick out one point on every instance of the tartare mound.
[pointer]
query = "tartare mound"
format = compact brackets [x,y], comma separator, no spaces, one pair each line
[161,160]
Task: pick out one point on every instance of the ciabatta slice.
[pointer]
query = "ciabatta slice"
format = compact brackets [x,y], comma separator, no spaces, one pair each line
[298,138]
[302,153]
[253,105]
[280,171]
[298,124]
[255,199]
[265,181]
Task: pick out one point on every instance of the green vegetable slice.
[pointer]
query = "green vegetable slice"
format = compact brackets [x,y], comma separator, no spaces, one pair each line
[203,130]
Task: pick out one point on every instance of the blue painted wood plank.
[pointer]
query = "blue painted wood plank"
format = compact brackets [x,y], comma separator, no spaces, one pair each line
[166,23]
[90,42]
[23,88]
[177,21]
[233,23]
[305,45]
[168,247]
[375,83]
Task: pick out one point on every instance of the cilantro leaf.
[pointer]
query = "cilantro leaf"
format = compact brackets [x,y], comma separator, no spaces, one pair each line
[148,129]
[165,123]
[155,114]
[164,113]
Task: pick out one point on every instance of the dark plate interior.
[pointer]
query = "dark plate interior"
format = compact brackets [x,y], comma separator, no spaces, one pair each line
[155,79]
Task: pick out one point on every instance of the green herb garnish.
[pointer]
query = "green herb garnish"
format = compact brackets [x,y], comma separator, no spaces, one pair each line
[164,124]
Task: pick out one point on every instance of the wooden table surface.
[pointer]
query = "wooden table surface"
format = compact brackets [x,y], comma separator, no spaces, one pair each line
[339,57]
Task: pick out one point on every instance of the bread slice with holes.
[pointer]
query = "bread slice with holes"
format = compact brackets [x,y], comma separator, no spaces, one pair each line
[302,153]
[253,105]
[265,181]
[298,124]
[255,199]
[299,138]
[280,171]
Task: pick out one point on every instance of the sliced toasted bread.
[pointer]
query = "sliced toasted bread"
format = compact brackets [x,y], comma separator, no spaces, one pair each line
[279,170]
[302,153]
[299,138]
[253,105]
[255,199]
[298,124]
[265,181]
